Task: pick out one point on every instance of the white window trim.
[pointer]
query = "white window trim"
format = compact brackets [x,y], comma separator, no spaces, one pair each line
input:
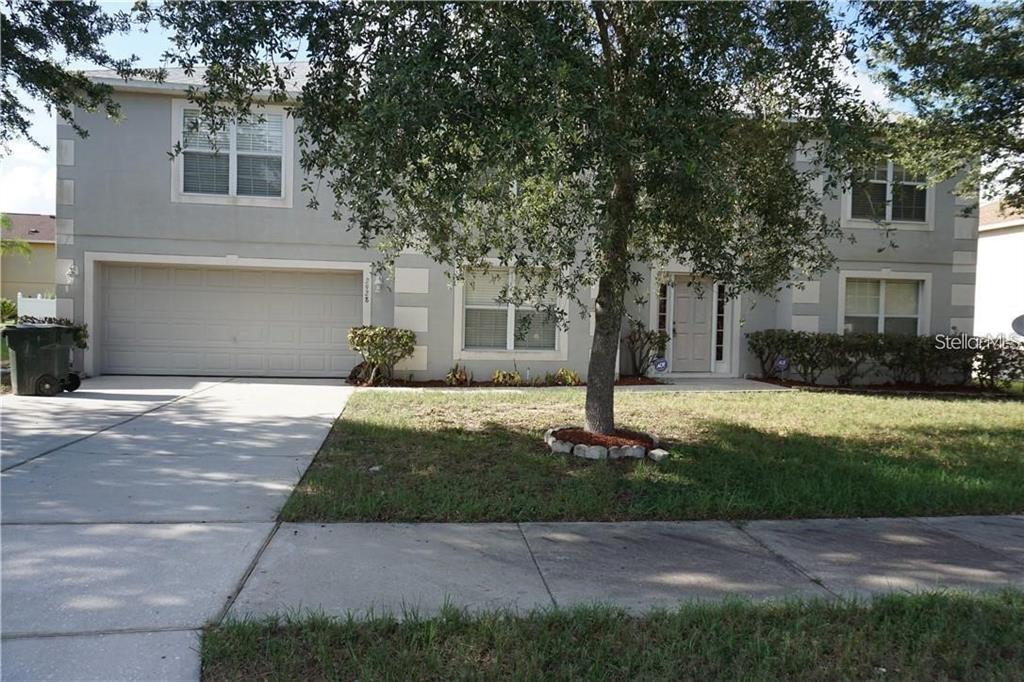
[849,222]
[924,304]
[560,352]
[178,107]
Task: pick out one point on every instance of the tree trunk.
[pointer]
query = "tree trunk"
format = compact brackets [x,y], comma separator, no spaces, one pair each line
[613,244]
[600,407]
[609,308]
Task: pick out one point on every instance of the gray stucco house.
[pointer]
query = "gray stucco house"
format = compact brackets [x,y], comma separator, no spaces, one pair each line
[212,264]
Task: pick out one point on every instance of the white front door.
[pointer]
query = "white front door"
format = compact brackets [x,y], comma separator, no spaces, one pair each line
[691,329]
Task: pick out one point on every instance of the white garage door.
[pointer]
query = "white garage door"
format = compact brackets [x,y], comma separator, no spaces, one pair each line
[163,319]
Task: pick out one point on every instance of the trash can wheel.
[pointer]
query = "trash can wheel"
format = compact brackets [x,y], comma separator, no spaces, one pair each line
[47,385]
[71,382]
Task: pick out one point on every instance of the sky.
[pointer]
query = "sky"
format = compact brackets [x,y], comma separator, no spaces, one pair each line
[28,175]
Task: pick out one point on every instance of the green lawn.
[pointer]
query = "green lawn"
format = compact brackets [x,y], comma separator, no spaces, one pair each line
[478,456]
[922,637]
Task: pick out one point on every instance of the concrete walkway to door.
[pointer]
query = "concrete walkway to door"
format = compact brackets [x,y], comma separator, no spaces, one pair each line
[134,509]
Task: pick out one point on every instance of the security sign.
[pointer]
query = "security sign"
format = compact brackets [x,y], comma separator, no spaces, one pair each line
[660,365]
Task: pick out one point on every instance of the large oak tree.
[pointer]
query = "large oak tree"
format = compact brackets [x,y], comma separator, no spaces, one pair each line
[566,140]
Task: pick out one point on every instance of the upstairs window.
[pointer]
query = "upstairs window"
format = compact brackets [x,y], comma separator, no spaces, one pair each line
[890,193]
[501,326]
[885,306]
[243,163]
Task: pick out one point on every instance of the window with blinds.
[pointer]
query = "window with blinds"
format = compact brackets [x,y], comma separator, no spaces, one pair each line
[491,325]
[884,306]
[246,159]
[890,193]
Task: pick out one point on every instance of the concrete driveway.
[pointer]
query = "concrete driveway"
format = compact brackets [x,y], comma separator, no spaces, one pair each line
[134,508]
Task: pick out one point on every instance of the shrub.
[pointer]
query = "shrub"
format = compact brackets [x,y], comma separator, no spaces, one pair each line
[80,331]
[809,354]
[848,355]
[998,366]
[564,377]
[900,354]
[504,378]
[903,358]
[959,362]
[767,346]
[381,348]
[644,345]
[458,376]
[8,309]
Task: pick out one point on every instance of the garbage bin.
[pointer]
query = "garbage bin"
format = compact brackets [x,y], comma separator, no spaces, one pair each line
[41,359]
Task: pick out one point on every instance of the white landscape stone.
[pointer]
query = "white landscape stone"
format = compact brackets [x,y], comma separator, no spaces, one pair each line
[634,451]
[580,450]
[597,452]
[657,454]
[615,452]
[561,446]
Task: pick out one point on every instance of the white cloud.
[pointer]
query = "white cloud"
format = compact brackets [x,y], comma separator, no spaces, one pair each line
[28,175]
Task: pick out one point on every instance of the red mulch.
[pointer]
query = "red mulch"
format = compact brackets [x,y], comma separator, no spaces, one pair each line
[890,388]
[439,383]
[620,438]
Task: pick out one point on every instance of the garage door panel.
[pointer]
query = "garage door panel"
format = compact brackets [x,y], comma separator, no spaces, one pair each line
[172,319]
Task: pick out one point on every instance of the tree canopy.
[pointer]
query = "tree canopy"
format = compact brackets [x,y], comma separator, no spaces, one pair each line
[568,141]
[38,41]
[565,140]
[961,66]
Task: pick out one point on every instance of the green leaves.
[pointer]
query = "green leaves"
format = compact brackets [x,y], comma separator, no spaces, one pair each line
[961,66]
[39,39]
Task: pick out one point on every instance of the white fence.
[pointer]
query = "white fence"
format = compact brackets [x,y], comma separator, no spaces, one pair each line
[37,306]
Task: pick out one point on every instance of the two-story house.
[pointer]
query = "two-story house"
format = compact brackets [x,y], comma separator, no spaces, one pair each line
[211,263]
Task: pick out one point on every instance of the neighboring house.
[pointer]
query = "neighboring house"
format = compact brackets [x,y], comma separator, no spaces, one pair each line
[31,275]
[1000,293]
[212,264]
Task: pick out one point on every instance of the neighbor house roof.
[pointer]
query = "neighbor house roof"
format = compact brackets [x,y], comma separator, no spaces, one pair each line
[31,227]
[994,215]
[177,81]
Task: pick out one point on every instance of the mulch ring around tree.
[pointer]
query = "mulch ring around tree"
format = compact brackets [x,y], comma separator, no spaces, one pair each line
[620,438]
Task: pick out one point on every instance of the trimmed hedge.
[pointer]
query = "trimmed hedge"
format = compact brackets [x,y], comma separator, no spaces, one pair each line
[381,348]
[901,359]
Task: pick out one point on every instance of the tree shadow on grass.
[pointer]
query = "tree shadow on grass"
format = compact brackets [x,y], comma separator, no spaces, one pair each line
[728,471]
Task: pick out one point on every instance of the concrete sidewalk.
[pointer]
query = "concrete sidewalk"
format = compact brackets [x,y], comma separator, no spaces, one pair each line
[362,567]
[133,510]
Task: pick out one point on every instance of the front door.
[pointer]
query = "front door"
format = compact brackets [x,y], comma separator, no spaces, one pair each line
[691,329]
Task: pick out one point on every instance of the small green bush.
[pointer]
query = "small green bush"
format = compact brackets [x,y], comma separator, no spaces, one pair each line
[848,356]
[8,309]
[809,354]
[503,377]
[381,349]
[458,376]
[563,377]
[998,367]
[644,345]
[768,345]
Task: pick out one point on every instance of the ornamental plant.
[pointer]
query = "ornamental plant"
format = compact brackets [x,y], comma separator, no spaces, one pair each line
[645,345]
[381,349]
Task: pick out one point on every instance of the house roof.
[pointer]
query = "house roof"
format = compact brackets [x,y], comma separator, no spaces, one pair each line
[32,227]
[176,80]
[994,215]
